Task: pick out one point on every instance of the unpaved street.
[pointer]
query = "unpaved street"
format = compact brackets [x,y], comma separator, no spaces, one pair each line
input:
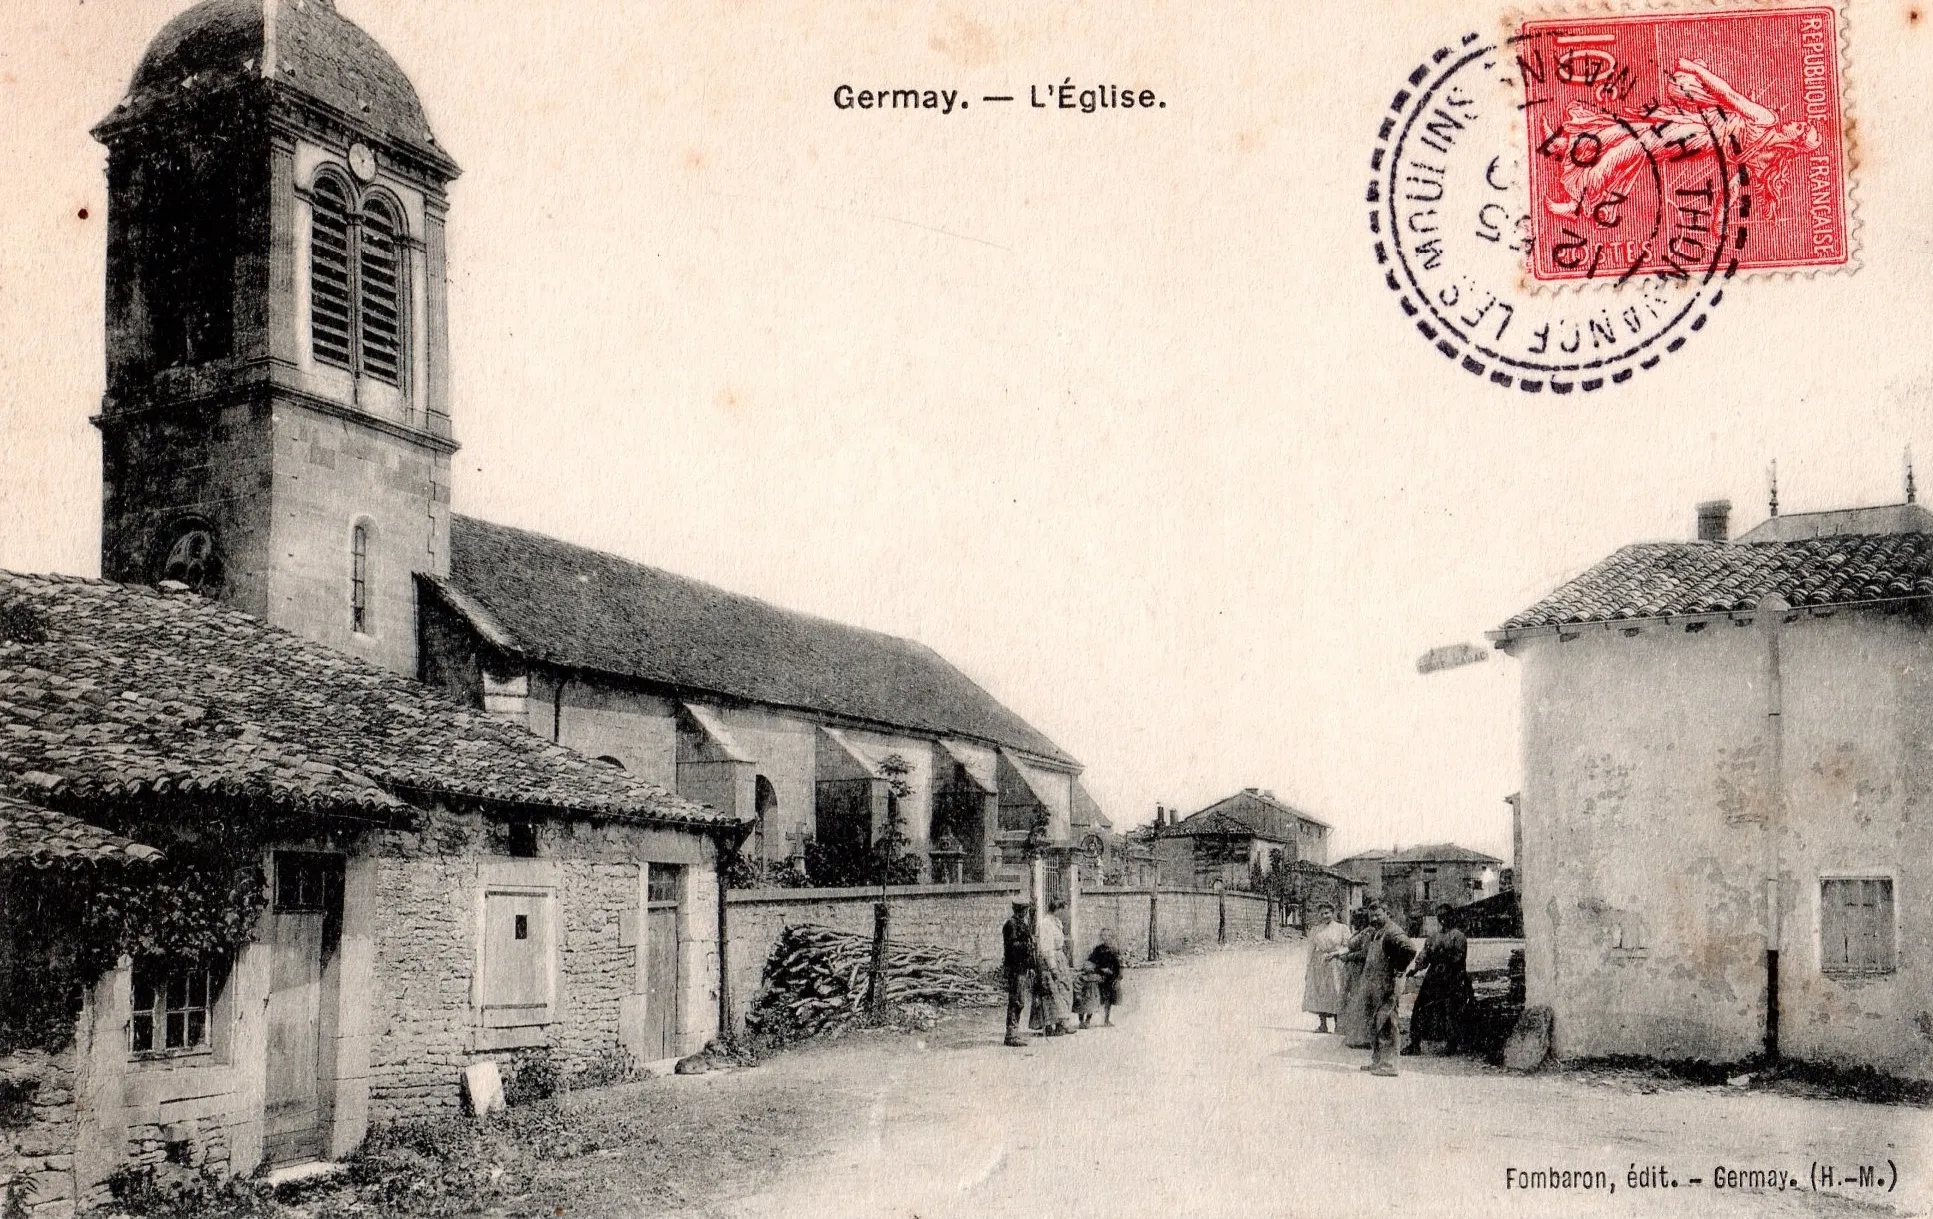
[1211,1097]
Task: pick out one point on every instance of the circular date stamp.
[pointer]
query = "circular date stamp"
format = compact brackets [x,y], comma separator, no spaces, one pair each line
[1457,234]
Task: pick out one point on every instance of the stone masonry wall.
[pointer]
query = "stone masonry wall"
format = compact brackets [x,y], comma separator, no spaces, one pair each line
[422,1022]
[600,967]
[967,919]
[37,1131]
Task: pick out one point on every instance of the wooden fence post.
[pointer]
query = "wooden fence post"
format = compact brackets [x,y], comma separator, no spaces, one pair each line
[1221,915]
[874,990]
[1154,921]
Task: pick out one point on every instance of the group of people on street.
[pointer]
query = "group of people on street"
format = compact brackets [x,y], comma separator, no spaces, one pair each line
[1354,980]
[1040,975]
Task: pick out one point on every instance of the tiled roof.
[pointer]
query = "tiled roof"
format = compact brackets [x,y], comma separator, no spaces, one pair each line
[1246,812]
[1206,823]
[565,605]
[1659,579]
[43,838]
[114,690]
[1441,852]
[1309,868]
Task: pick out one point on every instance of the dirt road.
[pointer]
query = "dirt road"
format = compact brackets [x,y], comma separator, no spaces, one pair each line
[1211,1097]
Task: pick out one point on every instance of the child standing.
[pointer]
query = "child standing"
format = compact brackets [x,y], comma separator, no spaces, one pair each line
[1102,979]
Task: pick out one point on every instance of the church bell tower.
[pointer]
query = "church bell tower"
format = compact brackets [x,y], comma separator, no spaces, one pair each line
[276,427]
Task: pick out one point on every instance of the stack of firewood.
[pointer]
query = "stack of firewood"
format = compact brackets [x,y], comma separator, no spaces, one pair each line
[816,979]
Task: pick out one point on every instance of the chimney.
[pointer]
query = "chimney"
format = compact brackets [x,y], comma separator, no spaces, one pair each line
[1715,520]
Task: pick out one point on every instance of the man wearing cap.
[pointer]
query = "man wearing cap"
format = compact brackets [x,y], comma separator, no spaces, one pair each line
[1017,940]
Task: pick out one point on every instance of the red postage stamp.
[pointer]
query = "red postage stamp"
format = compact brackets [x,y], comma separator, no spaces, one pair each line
[1663,142]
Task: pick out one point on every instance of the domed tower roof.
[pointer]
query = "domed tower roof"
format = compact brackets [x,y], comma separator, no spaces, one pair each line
[303,48]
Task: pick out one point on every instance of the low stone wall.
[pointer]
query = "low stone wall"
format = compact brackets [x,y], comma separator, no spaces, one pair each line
[967,919]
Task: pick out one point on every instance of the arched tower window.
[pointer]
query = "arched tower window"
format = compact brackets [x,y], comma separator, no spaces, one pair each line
[359,579]
[382,295]
[356,281]
[330,298]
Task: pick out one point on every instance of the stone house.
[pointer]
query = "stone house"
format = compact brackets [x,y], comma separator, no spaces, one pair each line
[366,887]
[1412,881]
[42,850]
[1233,838]
[1726,783]
[277,433]
[1305,886]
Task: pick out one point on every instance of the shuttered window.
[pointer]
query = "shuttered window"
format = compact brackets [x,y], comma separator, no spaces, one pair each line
[1856,926]
[382,311]
[357,279]
[329,286]
[519,958]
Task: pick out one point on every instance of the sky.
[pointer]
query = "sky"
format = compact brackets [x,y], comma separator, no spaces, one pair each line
[1112,409]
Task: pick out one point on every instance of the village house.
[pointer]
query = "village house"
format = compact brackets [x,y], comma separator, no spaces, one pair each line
[1726,772]
[1413,881]
[365,888]
[1237,839]
[277,433]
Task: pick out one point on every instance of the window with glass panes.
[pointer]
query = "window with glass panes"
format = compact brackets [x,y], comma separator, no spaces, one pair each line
[359,580]
[173,1006]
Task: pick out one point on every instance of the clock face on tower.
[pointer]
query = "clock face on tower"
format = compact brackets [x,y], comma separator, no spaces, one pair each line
[362,162]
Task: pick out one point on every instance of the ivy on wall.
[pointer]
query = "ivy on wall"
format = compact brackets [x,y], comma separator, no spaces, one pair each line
[62,927]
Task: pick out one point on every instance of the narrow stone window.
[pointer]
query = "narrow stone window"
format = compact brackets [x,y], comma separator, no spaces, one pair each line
[329,282]
[381,305]
[359,580]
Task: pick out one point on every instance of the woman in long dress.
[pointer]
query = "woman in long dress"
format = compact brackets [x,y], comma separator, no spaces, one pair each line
[1322,976]
[1054,979]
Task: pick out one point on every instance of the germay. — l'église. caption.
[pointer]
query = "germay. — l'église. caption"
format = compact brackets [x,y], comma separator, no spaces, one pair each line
[1086,99]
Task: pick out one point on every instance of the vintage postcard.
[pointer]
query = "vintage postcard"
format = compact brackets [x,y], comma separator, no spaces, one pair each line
[766,608]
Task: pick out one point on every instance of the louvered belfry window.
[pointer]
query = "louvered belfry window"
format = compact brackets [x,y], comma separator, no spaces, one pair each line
[382,313]
[356,278]
[329,284]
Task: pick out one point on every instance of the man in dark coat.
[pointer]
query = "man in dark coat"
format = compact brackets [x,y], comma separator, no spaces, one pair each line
[1385,953]
[1017,943]
[1445,994]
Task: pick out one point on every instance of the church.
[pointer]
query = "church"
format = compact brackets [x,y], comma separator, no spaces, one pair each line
[277,434]
[490,786]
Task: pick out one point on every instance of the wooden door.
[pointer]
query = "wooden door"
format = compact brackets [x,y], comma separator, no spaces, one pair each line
[664,890]
[293,1104]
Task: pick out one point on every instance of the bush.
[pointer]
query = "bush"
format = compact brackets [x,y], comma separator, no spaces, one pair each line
[532,1077]
[454,1166]
[174,1192]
